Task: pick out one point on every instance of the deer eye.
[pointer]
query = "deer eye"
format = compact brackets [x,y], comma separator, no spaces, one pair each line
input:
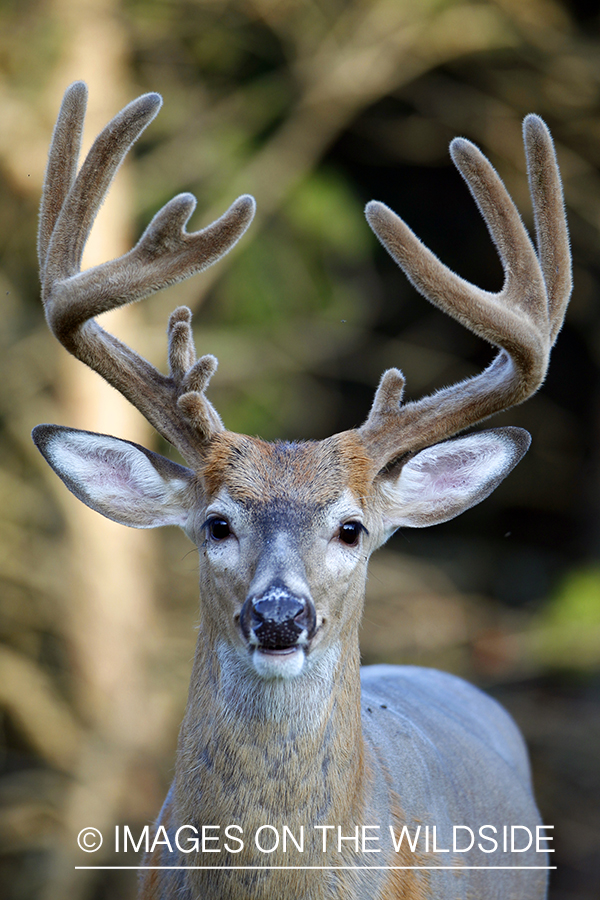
[349,533]
[218,529]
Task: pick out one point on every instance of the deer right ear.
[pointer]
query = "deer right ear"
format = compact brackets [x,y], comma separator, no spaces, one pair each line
[442,481]
[119,479]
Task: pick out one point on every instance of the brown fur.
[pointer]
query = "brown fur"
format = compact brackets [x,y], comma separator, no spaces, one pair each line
[258,770]
[406,884]
[255,470]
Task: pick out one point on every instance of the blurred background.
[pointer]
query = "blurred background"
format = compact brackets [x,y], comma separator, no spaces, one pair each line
[315,108]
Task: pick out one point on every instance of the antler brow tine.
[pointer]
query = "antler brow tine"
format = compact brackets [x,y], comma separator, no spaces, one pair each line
[523,319]
[166,253]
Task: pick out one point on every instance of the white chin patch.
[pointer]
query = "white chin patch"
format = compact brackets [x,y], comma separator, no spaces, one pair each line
[278,664]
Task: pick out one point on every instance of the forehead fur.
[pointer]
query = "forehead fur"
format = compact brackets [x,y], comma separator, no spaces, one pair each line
[315,472]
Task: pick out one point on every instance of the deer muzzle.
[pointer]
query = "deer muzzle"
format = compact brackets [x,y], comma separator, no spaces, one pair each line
[278,620]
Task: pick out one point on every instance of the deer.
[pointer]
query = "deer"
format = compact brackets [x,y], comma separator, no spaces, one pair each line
[299,774]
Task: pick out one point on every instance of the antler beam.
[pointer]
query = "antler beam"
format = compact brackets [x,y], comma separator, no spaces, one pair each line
[523,319]
[165,254]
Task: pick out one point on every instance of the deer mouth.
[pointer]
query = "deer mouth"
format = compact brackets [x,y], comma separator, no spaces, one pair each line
[278,663]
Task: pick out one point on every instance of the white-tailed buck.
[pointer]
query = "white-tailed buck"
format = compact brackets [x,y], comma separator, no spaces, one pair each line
[296,770]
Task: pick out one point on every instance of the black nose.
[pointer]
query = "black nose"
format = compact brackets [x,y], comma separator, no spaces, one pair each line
[278,617]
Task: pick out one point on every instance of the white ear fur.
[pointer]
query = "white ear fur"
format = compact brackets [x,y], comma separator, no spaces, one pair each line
[121,480]
[444,480]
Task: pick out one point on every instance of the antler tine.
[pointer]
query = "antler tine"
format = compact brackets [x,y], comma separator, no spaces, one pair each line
[193,375]
[62,164]
[175,405]
[522,319]
[550,220]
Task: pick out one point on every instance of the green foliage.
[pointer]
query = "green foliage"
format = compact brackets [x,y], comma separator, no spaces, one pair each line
[568,628]
[298,264]
[577,600]
[324,209]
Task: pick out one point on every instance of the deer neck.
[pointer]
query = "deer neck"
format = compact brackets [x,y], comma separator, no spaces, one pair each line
[245,740]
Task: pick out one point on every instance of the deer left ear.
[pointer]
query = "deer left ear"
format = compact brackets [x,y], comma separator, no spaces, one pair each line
[443,481]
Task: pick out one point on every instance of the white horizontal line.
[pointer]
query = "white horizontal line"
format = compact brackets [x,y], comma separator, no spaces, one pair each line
[217,868]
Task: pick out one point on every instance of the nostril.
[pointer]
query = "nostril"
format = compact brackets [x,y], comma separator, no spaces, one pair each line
[306,617]
[310,619]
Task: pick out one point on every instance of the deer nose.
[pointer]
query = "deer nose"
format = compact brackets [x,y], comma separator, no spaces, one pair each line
[278,619]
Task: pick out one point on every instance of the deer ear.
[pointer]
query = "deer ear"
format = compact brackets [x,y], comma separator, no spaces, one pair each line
[119,479]
[443,481]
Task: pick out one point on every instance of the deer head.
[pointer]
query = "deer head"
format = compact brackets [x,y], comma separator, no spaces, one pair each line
[285,529]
